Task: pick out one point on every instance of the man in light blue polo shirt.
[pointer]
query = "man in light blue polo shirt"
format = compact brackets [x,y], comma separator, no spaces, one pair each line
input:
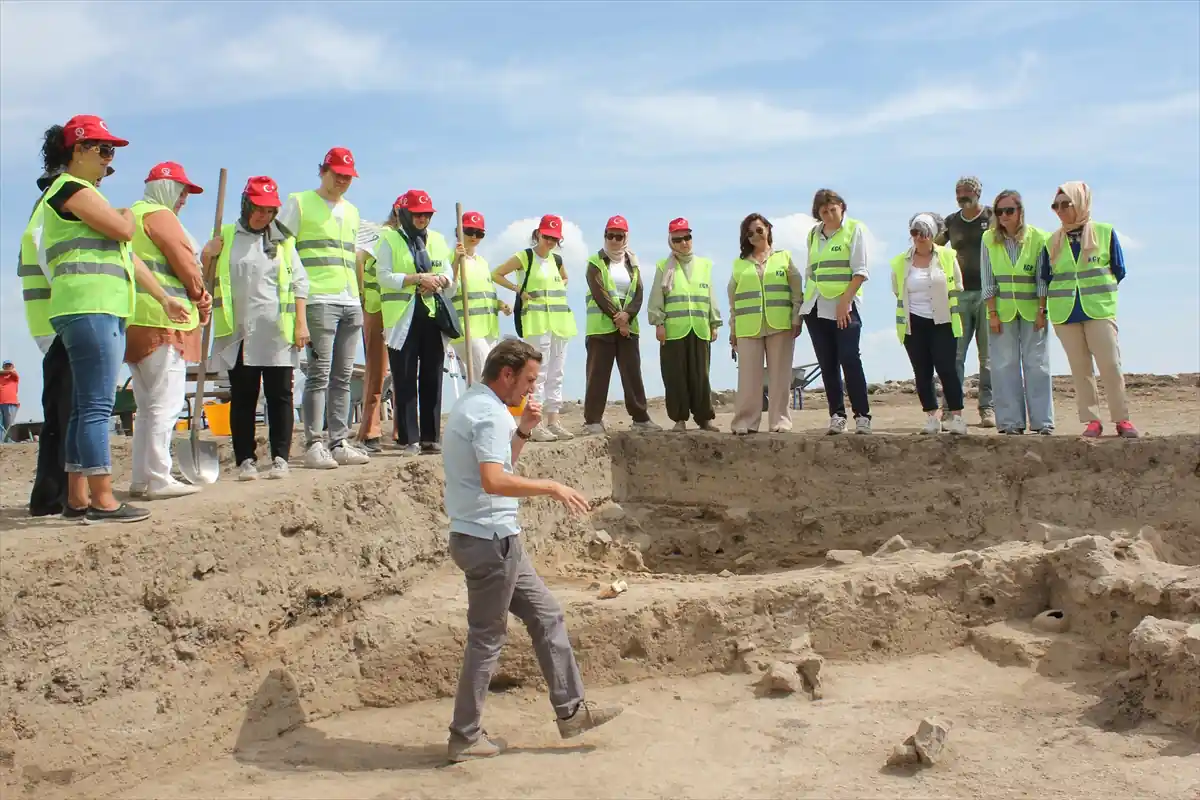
[480,444]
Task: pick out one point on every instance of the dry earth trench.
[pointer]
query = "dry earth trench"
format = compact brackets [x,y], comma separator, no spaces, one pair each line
[796,606]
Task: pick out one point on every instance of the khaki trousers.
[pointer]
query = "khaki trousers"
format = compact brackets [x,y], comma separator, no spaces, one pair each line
[1095,339]
[777,348]
[377,368]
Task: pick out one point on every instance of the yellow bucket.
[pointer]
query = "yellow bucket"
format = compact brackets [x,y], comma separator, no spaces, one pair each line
[181,425]
[218,418]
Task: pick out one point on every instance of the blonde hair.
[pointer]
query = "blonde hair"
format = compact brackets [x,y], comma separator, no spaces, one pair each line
[998,231]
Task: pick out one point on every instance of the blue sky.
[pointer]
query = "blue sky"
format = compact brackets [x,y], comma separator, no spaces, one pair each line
[705,110]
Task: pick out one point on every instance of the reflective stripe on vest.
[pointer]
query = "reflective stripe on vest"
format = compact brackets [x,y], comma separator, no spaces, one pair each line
[688,306]
[223,300]
[1016,284]
[831,262]
[547,310]
[1093,281]
[90,273]
[394,302]
[483,321]
[597,321]
[148,312]
[327,246]
[946,258]
[35,289]
[768,298]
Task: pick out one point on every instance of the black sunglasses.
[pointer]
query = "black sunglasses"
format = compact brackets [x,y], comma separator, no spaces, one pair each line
[105,149]
[687,237]
[474,233]
[1006,211]
[918,234]
[615,236]
[1063,204]
[760,230]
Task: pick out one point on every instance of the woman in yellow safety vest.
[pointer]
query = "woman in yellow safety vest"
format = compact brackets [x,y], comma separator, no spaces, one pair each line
[614,298]
[414,267]
[926,281]
[483,306]
[765,296]
[1016,307]
[544,317]
[683,309]
[259,323]
[1083,264]
[92,270]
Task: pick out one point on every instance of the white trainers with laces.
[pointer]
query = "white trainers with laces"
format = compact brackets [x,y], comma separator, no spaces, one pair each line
[957,425]
[279,469]
[932,424]
[837,424]
[247,470]
[559,431]
[542,434]
[346,455]
[318,457]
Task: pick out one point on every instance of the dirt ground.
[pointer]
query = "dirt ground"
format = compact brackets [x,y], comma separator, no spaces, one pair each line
[298,638]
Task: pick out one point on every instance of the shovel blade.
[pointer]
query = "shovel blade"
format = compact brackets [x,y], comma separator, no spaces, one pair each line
[200,462]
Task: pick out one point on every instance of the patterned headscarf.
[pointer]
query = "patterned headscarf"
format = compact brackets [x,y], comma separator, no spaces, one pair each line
[973,183]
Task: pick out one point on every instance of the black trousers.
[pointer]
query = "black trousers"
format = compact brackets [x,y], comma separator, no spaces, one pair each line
[277,384]
[933,347]
[49,493]
[684,365]
[417,381]
[837,351]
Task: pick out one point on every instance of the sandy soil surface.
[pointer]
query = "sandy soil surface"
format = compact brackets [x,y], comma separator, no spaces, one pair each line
[132,658]
[1014,734]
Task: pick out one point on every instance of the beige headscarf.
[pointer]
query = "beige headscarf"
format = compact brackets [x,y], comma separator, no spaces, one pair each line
[1080,195]
[673,261]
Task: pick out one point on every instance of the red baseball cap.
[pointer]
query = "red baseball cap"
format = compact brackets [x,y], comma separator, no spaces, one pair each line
[262,191]
[551,225]
[341,161]
[678,224]
[416,201]
[172,171]
[88,128]
[473,219]
[617,223]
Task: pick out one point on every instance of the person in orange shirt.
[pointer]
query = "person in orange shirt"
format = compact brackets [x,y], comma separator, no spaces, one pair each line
[10,384]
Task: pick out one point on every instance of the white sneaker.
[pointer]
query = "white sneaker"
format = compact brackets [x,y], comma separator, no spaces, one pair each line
[957,425]
[318,457]
[559,431]
[648,425]
[594,429]
[247,470]
[279,469]
[862,425]
[411,450]
[542,434]
[680,426]
[932,424]
[837,424]
[137,491]
[172,489]
[346,455]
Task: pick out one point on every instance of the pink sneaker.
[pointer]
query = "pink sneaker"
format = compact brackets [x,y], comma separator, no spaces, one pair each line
[1093,430]
[1126,430]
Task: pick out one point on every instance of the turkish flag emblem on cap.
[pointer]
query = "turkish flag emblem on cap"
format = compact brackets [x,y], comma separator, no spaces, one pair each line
[473,219]
[678,224]
[551,225]
[416,201]
[262,191]
[341,161]
[617,223]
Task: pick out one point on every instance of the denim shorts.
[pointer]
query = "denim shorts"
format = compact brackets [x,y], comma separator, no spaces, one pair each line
[96,347]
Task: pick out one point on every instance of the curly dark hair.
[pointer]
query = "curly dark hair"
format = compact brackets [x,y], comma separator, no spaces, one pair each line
[746,247]
[55,153]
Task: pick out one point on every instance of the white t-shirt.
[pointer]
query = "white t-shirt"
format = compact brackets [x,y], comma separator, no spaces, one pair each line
[919,284]
[620,278]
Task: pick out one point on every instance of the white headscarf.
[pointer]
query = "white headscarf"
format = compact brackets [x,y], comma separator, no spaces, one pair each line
[166,192]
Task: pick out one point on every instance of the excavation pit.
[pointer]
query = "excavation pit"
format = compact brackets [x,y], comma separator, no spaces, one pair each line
[303,640]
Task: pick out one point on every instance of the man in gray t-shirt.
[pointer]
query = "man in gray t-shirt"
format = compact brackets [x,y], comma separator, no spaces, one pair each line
[480,446]
[964,232]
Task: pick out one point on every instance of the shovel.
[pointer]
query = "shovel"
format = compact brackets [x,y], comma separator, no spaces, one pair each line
[200,463]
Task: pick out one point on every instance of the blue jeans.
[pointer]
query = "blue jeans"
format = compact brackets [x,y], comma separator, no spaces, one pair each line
[1021,376]
[8,413]
[96,346]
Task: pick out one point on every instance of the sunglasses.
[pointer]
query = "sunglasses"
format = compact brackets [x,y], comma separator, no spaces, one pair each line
[474,233]
[759,229]
[916,234]
[105,149]
[687,237]
[1062,204]
[1006,211]
[615,236]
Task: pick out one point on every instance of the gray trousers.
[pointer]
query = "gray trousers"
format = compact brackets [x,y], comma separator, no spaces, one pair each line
[500,579]
[335,332]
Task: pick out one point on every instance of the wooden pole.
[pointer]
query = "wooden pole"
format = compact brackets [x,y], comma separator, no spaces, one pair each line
[202,373]
[462,290]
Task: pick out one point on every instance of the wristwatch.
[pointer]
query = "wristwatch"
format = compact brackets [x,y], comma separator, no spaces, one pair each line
[523,435]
